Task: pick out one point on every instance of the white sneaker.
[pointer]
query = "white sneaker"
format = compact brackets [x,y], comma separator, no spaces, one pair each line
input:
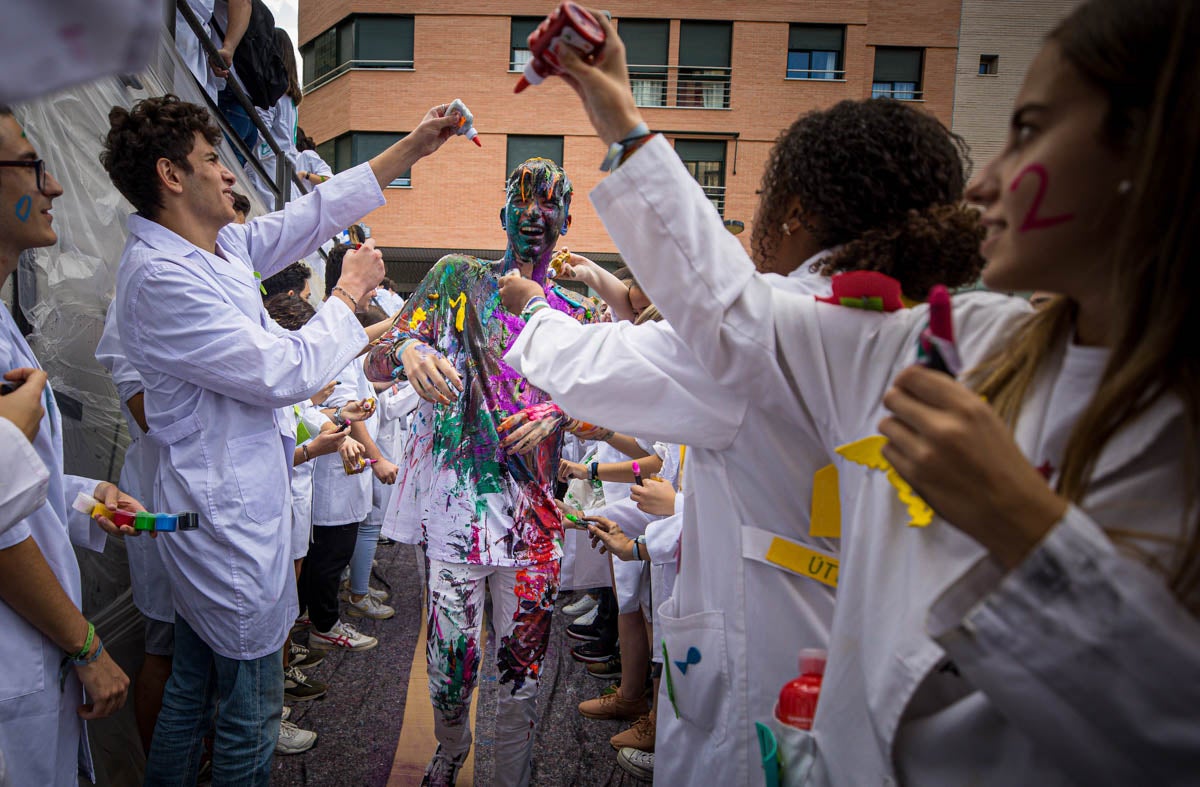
[582,605]
[369,607]
[637,762]
[342,636]
[587,618]
[379,595]
[287,712]
[293,740]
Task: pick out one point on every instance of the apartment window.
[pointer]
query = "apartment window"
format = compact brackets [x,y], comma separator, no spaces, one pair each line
[704,57]
[705,160]
[360,41]
[519,53]
[898,73]
[522,147]
[350,150]
[815,51]
[989,65]
[646,55]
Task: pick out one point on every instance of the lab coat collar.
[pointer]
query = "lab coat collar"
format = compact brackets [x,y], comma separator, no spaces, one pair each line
[802,271]
[171,244]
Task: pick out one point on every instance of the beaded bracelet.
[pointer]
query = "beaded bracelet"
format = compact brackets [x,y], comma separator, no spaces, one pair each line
[533,305]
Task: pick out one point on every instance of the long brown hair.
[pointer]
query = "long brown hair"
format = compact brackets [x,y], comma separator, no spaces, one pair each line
[284,42]
[1137,52]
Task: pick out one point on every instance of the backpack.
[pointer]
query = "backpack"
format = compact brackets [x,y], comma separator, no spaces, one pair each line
[257,59]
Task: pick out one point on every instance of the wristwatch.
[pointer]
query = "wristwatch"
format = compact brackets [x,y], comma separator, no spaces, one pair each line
[593,471]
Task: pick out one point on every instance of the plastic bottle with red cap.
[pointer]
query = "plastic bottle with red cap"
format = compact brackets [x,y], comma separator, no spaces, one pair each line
[571,25]
[798,698]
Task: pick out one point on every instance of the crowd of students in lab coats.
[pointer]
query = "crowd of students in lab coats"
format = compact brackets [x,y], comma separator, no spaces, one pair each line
[1002,563]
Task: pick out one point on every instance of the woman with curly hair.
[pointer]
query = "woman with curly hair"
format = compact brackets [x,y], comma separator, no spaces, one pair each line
[1021,548]
[861,186]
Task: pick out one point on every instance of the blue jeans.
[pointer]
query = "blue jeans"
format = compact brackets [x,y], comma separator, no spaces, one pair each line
[250,697]
[239,121]
[364,553]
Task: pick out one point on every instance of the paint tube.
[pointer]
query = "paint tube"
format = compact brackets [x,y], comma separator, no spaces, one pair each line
[466,126]
[570,25]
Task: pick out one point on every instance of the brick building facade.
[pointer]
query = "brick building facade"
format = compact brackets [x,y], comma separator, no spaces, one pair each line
[721,80]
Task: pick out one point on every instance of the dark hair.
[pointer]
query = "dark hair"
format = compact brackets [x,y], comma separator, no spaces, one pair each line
[156,128]
[241,203]
[284,42]
[882,180]
[388,284]
[333,266]
[5,110]
[304,141]
[371,315]
[545,171]
[290,279]
[290,311]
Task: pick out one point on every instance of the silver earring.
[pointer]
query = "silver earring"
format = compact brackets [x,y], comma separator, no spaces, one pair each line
[786,229]
[1125,186]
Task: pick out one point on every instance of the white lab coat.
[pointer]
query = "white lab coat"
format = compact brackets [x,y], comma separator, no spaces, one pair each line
[749,479]
[1076,667]
[25,479]
[216,367]
[290,419]
[41,735]
[395,404]
[147,575]
[338,497]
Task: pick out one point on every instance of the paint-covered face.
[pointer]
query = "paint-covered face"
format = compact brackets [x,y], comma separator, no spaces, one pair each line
[1052,196]
[25,219]
[537,210]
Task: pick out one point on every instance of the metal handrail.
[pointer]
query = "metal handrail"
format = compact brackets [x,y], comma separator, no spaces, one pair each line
[359,65]
[667,86]
[283,167]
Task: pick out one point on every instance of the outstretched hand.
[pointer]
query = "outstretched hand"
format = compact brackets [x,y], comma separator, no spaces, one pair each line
[114,499]
[435,128]
[528,428]
[608,536]
[960,457]
[602,81]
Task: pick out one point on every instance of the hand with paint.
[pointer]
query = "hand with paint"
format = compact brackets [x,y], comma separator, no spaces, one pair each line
[603,84]
[530,427]
[320,396]
[585,431]
[573,517]
[386,471]
[327,441]
[654,496]
[114,499]
[568,470]
[516,291]
[362,270]
[353,452]
[608,537]
[429,373]
[21,401]
[960,457]
[357,411]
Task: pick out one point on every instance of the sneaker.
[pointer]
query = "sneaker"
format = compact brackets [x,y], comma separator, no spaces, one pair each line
[293,740]
[287,713]
[302,622]
[442,771]
[580,606]
[342,636]
[384,541]
[369,607]
[609,668]
[590,632]
[640,736]
[637,763]
[614,706]
[298,687]
[587,617]
[303,657]
[376,593]
[594,652]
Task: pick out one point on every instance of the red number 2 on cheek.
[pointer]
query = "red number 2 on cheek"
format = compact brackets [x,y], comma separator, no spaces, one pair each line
[1032,220]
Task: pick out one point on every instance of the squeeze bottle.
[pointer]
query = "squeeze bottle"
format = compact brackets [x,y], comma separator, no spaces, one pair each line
[571,25]
[466,127]
[798,698]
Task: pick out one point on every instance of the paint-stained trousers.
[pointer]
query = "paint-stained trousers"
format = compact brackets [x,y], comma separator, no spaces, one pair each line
[522,602]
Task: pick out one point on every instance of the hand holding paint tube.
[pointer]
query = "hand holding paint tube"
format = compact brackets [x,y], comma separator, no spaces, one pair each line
[936,349]
[466,126]
[569,25]
[637,473]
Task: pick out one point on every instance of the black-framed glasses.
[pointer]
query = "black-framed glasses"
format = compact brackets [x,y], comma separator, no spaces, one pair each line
[39,168]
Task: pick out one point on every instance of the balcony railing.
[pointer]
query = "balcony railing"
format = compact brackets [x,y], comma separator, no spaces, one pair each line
[815,73]
[716,195]
[680,87]
[358,65]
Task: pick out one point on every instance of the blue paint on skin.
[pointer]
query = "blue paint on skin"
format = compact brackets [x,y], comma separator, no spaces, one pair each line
[24,206]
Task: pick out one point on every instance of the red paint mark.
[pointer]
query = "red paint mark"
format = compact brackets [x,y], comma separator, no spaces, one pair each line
[1046,469]
[1032,220]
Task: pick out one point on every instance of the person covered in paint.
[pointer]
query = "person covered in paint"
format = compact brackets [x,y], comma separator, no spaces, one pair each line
[480,501]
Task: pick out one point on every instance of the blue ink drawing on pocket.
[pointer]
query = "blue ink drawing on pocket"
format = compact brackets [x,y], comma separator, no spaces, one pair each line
[693,657]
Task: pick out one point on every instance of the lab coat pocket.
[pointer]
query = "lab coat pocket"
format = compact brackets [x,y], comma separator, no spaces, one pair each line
[696,668]
[255,465]
[24,671]
[788,753]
